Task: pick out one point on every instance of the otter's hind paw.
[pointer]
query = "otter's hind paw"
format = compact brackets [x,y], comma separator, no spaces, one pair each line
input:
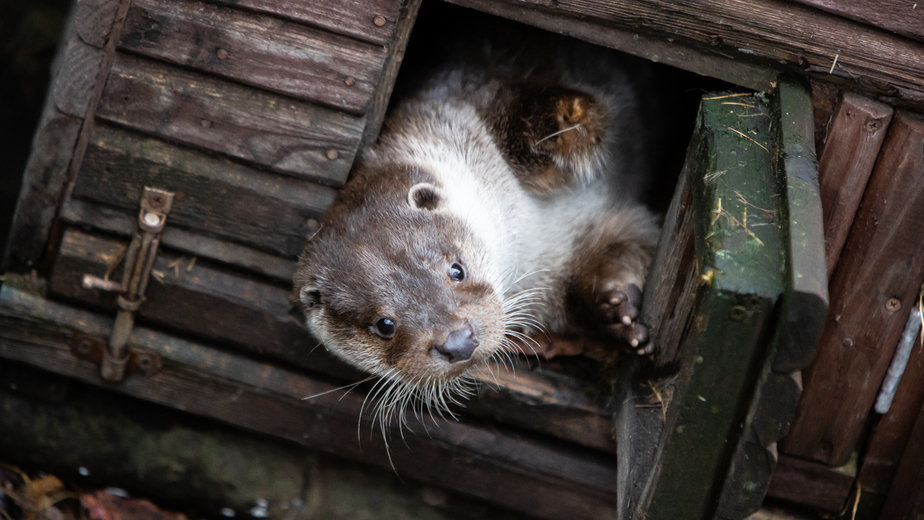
[619,305]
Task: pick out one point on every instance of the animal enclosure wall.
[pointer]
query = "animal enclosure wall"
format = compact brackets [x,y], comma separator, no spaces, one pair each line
[252,116]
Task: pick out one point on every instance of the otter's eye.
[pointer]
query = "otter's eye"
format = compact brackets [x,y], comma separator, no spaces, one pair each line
[457,272]
[385,328]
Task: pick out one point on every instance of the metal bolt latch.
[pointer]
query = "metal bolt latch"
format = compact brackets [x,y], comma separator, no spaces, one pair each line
[139,260]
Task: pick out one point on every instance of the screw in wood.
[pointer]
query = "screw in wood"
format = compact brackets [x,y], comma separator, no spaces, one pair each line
[84,346]
[872,125]
[738,313]
[350,81]
[332,155]
[222,54]
[151,219]
[893,304]
[379,20]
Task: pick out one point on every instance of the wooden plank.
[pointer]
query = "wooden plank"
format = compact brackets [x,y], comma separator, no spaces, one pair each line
[810,484]
[898,16]
[522,472]
[906,495]
[74,81]
[825,98]
[805,302]
[396,47]
[373,21]
[870,285]
[287,136]
[257,50]
[123,222]
[851,149]
[892,433]
[255,316]
[627,39]
[773,33]
[738,242]
[94,19]
[216,196]
[645,392]
[43,181]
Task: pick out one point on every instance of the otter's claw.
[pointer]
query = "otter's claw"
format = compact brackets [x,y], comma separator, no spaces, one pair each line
[619,305]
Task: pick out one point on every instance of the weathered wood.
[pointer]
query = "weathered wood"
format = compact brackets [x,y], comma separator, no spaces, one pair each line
[513,470]
[75,78]
[196,466]
[736,227]
[851,148]
[643,399]
[287,136]
[254,316]
[892,433]
[628,39]
[367,20]
[906,495]
[396,47]
[805,302]
[870,285]
[260,51]
[94,19]
[773,33]
[825,98]
[810,484]
[217,196]
[123,222]
[896,16]
[43,180]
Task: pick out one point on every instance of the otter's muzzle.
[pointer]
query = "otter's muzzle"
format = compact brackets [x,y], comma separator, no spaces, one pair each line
[459,345]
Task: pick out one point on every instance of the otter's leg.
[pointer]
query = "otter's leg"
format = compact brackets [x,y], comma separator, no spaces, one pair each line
[605,293]
[551,135]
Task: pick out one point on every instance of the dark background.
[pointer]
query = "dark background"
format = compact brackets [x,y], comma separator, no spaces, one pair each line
[29,35]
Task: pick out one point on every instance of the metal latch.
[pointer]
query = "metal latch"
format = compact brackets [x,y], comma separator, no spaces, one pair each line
[116,356]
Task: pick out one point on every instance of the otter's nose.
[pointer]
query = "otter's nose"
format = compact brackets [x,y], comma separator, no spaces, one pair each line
[459,345]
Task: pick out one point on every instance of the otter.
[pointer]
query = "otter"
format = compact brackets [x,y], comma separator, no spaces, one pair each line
[501,203]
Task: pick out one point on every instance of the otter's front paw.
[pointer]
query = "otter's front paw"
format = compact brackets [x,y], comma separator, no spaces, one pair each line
[618,304]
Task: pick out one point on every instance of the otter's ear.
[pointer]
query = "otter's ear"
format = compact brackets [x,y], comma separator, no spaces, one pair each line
[424,196]
[310,296]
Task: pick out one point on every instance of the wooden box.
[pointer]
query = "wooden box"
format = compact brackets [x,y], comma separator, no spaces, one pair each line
[251,114]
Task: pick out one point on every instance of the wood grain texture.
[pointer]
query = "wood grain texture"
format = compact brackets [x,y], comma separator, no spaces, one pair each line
[257,50]
[116,221]
[772,33]
[724,66]
[255,316]
[518,471]
[879,272]
[810,484]
[906,496]
[285,135]
[892,435]
[851,148]
[215,196]
[897,16]
[644,393]
[94,19]
[395,49]
[75,77]
[373,21]
[43,180]
[736,227]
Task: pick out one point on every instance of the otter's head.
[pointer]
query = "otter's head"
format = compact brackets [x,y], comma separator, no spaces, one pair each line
[398,286]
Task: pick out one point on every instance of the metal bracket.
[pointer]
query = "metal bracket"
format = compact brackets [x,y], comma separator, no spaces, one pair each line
[117,356]
[138,361]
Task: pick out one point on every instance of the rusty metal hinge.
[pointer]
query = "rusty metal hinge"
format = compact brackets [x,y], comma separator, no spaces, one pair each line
[115,357]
